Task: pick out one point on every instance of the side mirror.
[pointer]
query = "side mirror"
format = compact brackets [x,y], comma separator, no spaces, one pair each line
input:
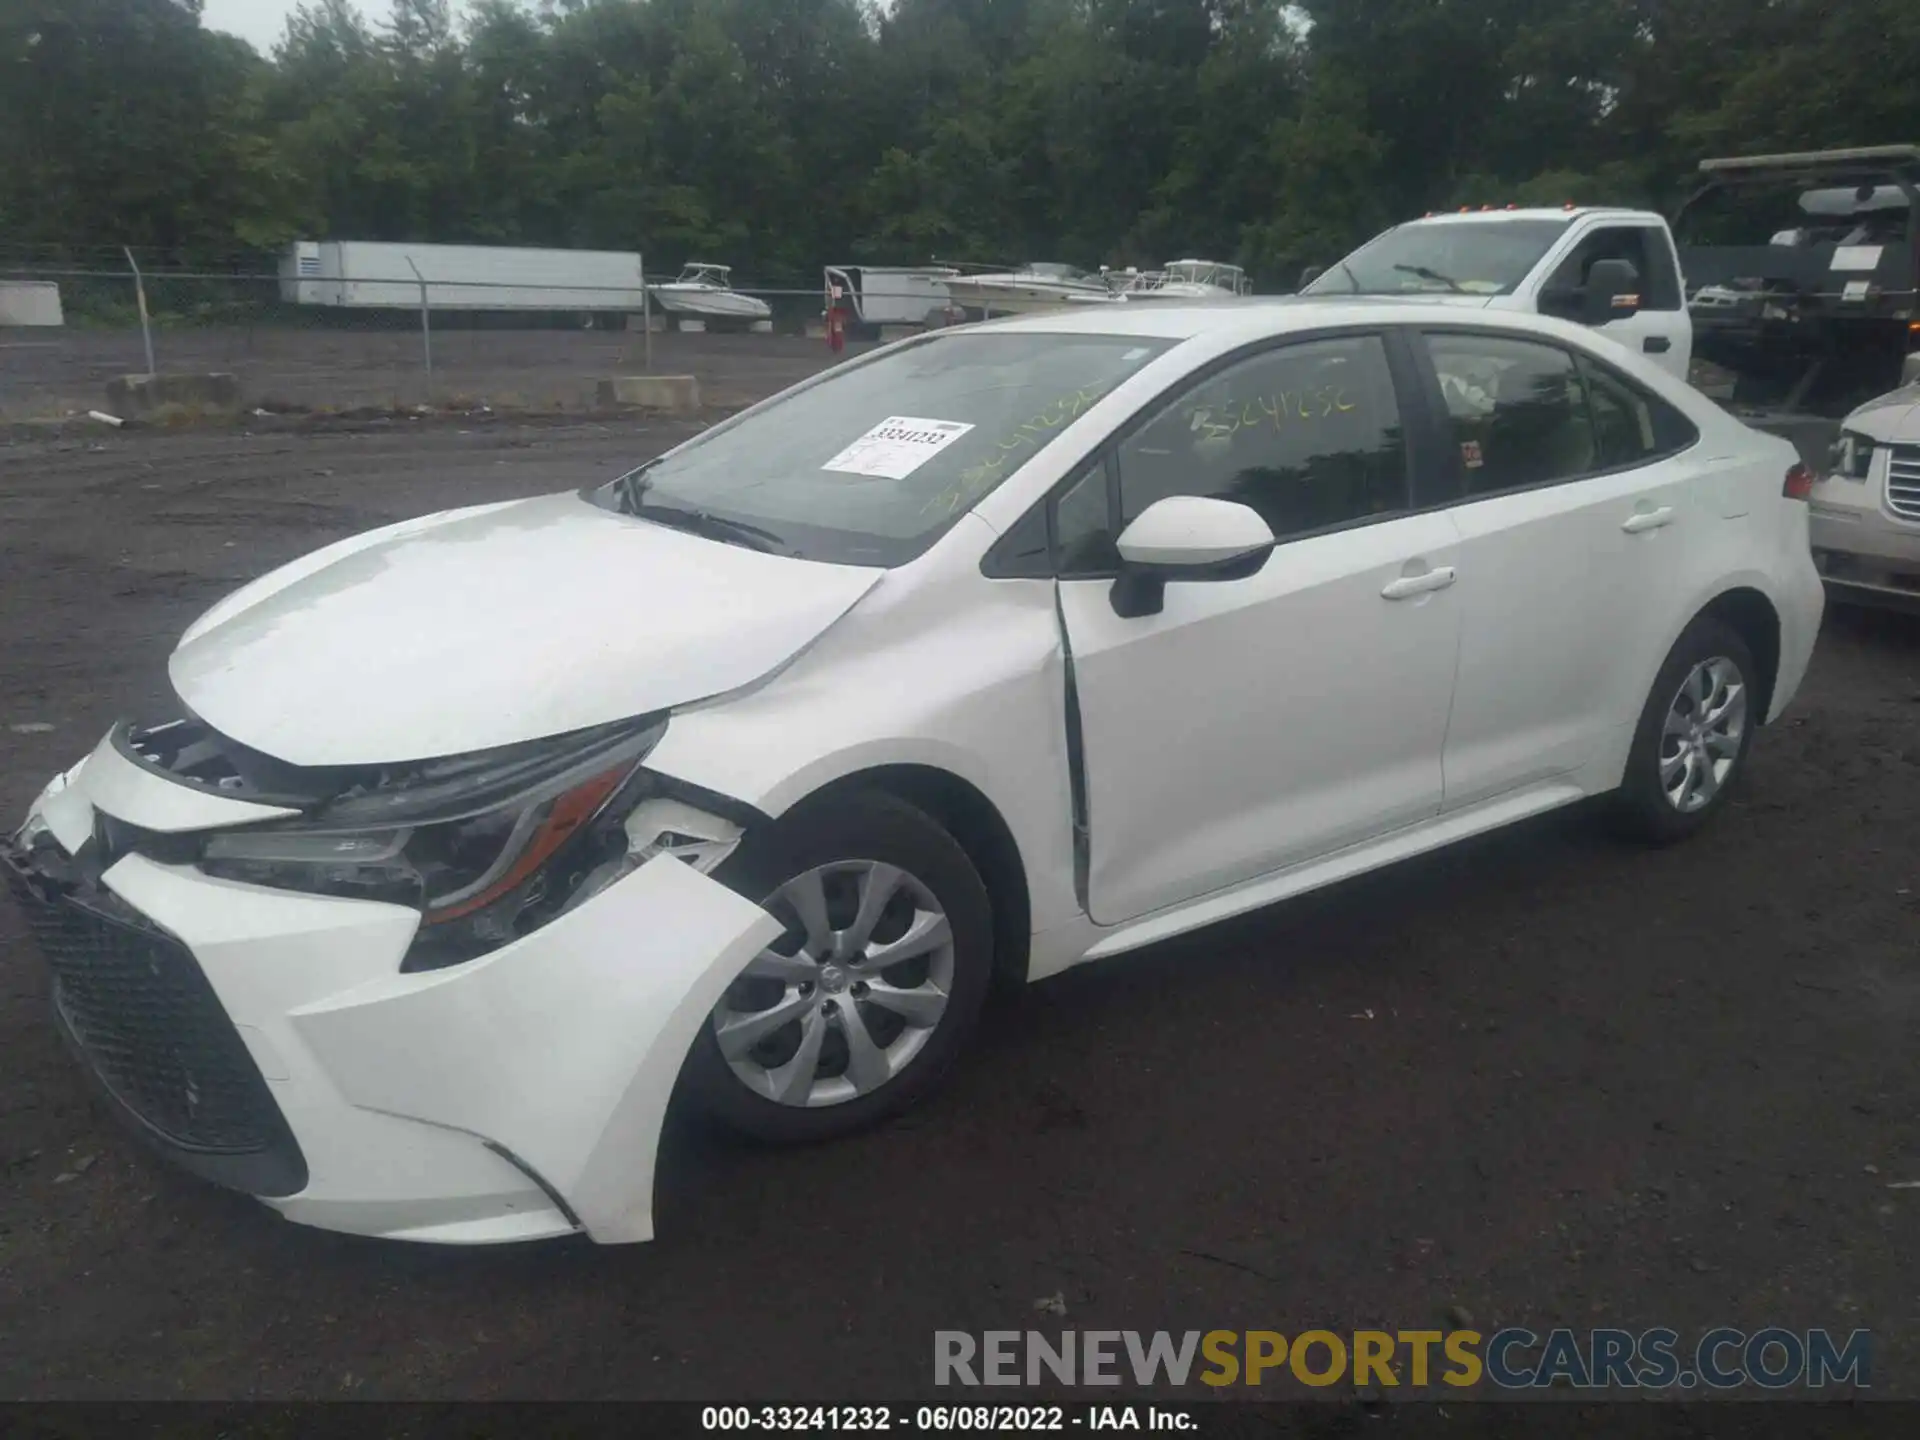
[1613,292]
[1186,537]
[1311,274]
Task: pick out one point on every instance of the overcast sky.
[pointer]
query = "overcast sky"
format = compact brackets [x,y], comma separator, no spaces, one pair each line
[262,21]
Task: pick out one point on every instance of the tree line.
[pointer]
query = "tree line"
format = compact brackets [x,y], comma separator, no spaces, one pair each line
[778,134]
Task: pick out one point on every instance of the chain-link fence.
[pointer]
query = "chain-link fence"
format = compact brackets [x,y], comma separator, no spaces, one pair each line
[299,346]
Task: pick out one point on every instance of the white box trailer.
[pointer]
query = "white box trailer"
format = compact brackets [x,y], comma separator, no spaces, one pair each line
[380,275]
[30,302]
[892,294]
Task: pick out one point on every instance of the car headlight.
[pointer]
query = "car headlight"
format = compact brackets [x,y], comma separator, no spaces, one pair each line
[1852,456]
[487,847]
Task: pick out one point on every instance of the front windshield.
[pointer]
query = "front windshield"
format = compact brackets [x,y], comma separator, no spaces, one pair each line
[1477,257]
[871,464]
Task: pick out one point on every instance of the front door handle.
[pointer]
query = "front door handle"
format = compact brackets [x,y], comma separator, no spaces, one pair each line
[1647,520]
[1407,586]
[1656,345]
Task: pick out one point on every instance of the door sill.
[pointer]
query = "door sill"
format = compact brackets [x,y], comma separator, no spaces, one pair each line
[1396,845]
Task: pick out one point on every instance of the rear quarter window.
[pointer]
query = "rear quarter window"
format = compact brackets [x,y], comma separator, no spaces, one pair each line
[1632,426]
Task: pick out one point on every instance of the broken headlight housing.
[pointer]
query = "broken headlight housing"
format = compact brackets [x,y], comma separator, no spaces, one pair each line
[486,846]
[1851,456]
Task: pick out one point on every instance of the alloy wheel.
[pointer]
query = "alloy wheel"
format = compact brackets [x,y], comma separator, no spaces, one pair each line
[1700,741]
[849,995]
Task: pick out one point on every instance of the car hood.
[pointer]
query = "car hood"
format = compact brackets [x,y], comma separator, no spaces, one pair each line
[496,624]
[1893,419]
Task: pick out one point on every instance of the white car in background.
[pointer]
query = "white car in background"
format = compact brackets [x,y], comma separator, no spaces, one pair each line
[1865,511]
[988,653]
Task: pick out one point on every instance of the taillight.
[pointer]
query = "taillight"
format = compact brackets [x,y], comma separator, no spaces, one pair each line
[1799,482]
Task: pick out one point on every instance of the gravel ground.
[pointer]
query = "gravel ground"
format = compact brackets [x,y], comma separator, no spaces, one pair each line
[47,373]
[1541,1078]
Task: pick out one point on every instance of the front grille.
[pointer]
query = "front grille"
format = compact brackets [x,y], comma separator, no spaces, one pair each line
[1903,481]
[146,1020]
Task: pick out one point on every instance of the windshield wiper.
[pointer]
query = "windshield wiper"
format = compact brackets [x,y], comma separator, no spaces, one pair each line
[1434,275]
[713,527]
[632,487]
[632,490]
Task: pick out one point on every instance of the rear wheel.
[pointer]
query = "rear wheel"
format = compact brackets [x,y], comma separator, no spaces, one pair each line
[1694,733]
[857,1010]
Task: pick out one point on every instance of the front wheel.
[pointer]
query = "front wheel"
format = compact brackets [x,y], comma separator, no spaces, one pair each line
[1694,732]
[857,1010]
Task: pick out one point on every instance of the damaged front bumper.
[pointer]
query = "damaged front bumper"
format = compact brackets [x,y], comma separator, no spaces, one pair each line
[269,1040]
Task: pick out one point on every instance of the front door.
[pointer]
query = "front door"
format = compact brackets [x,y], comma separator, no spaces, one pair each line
[1260,722]
[1659,330]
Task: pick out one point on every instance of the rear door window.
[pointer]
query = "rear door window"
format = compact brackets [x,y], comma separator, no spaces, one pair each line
[1516,412]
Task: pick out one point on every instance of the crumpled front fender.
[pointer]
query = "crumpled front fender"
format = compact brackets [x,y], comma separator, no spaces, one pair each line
[562,1048]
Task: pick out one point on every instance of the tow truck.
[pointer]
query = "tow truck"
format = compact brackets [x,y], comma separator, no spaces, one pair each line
[1803,275]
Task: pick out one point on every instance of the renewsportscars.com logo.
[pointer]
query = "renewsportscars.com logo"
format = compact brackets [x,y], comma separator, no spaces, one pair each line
[1513,1358]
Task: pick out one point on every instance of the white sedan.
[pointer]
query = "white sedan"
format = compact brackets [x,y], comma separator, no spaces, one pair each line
[991,652]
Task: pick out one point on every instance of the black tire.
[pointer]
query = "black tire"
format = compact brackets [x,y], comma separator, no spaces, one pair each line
[864,825]
[1641,809]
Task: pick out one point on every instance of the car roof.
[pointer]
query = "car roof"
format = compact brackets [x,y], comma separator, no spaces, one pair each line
[1543,212]
[1251,317]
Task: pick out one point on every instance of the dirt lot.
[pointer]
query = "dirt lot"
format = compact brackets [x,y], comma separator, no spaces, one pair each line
[1541,1079]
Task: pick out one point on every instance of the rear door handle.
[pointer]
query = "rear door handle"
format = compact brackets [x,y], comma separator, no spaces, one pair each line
[1647,520]
[1656,344]
[1407,586]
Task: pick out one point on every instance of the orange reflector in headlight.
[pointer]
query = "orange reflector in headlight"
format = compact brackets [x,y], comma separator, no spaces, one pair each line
[566,813]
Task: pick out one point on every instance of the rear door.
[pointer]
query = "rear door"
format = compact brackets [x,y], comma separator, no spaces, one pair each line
[1575,501]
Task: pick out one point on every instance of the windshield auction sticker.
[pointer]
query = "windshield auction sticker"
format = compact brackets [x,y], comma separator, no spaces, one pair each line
[897,446]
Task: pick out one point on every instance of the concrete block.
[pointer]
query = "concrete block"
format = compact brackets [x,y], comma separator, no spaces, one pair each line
[131,396]
[675,393]
[897,332]
[1910,372]
[691,327]
[816,330]
[761,327]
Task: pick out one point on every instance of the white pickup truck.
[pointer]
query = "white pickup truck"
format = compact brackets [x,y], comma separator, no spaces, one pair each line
[1616,270]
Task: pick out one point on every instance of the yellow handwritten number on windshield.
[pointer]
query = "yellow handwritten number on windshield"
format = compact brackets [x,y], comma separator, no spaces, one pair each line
[977,480]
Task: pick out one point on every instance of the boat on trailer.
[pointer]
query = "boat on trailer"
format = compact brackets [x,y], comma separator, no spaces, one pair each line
[1040,285]
[704,291]
[1188,280]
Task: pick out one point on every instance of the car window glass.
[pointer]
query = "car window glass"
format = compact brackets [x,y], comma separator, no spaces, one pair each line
[870,464]
[1480,256]
[1642,247]
[1083,528]
[1631,426]
[1661,287]
[1309,435]
[1617,243]
[1517,410]
[1025,551]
